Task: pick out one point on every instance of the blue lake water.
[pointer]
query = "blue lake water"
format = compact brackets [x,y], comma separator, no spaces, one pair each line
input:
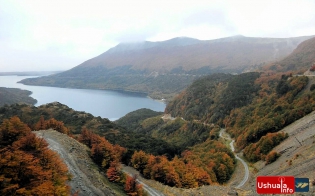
[104,103]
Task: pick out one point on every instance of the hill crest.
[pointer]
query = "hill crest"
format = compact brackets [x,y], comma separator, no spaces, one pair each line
[163,69]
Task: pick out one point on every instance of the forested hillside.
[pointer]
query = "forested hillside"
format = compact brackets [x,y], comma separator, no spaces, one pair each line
[75,121]
[210,98]
[200,159]
[249,105]
[15,95]
[171,146]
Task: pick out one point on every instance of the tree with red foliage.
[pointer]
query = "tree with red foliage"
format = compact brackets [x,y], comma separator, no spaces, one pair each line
[130,185]
[114,173]
[132,188]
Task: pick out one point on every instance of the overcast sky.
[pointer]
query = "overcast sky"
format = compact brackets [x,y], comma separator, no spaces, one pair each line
[42,35]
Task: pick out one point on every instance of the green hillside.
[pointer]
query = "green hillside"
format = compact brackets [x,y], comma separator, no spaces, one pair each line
[210,98]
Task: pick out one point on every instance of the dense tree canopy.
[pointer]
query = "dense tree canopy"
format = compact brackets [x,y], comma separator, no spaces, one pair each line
[27,165]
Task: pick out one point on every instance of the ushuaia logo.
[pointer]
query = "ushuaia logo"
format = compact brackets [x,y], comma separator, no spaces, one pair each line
[275,185]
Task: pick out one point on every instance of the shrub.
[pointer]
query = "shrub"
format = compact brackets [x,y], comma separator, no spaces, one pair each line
[272,157]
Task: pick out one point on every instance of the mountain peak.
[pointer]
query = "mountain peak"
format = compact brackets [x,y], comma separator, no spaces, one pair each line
[177,41]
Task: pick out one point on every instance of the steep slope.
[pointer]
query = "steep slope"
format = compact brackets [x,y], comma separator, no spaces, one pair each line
[212,97]
[301,59]
[165,68]
[297,154]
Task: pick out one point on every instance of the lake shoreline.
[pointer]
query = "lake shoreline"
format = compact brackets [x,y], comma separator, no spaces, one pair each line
[106,103]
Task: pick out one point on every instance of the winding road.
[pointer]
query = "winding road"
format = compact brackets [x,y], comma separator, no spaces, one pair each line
[85,178]
[246,174]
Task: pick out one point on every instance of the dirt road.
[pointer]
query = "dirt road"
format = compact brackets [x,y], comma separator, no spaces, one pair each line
[86,176]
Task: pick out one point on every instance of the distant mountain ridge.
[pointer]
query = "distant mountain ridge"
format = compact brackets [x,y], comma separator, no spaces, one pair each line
[232,53]
[301,59]
[162,69]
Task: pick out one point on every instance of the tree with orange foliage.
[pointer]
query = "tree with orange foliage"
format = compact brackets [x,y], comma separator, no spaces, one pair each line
[57,125]
[139,160]
[148,167]
[114,173]
[102,151]
[41,124]
[52,123]
[271,157]
[27,165]
[172,177]
[12,130]
[87,137]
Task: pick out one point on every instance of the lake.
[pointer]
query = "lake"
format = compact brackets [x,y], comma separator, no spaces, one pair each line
[105,103]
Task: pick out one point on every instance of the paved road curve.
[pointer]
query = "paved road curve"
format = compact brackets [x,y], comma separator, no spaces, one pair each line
[246,174]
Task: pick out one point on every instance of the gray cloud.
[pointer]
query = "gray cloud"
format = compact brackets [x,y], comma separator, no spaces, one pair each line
[51,35]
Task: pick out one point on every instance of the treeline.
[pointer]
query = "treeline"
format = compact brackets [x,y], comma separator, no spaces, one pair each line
[208,163]
[27,165]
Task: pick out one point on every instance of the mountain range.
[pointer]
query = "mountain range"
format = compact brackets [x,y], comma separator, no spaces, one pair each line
[163,69]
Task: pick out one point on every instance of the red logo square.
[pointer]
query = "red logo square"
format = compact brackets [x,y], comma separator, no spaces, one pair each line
[275,185]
